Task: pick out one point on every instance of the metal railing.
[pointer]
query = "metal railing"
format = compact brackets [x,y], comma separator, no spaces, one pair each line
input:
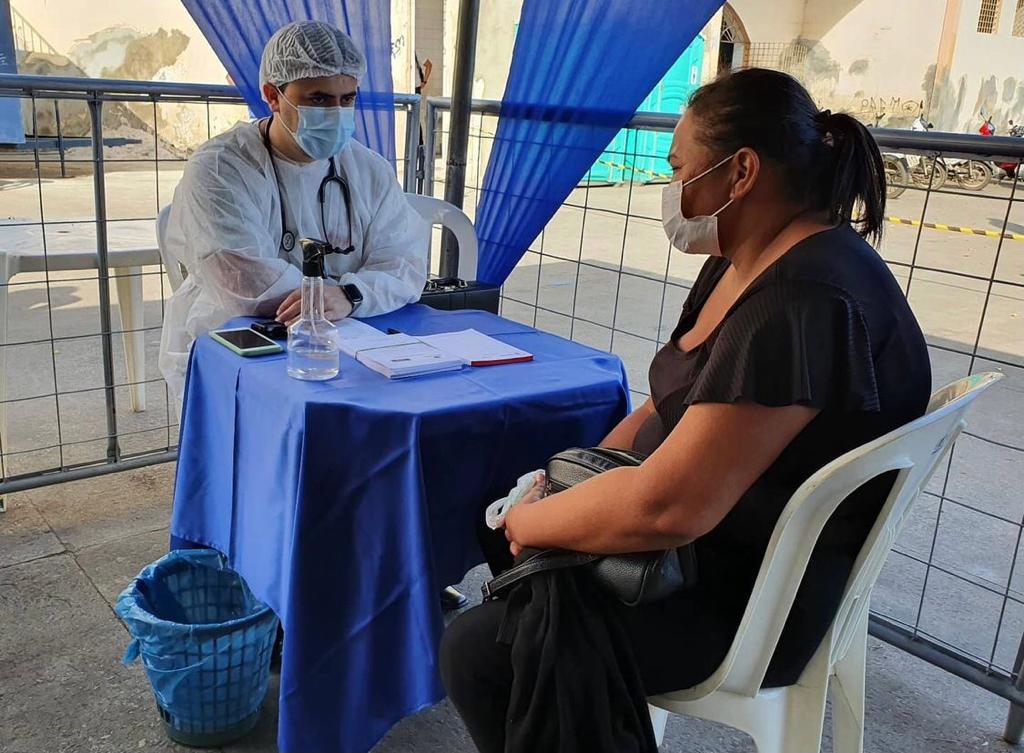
[602,273]
[26,37]
[81,396]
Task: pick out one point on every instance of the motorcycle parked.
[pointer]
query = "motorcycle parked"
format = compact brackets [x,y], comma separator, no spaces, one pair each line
[897,170]
[970,174]
[926,171]
[1012,170]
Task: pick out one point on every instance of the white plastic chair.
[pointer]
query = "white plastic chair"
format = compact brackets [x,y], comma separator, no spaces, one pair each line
[174,268]
[440,212]
[790,719]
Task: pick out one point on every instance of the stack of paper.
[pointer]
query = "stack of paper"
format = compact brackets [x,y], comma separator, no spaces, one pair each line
[476,348]
[398,360]
[400,355]
[394,356]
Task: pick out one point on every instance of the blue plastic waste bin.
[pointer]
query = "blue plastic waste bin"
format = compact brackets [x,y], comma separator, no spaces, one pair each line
[205,642]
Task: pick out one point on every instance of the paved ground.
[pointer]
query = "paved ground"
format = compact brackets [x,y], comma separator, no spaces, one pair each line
[66,551]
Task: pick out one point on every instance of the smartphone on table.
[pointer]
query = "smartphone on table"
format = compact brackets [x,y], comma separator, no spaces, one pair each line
[246,342]
[272,328]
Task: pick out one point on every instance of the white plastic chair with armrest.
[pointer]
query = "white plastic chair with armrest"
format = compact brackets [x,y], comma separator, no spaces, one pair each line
[433,210]
[790,719]
[440,212]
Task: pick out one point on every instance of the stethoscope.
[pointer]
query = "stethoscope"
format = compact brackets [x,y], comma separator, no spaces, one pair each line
[287,236]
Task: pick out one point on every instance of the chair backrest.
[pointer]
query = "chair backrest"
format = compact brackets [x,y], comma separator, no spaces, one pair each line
[175,269]
[440,212]
[914,451]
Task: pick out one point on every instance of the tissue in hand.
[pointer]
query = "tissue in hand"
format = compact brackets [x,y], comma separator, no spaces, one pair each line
[496,511]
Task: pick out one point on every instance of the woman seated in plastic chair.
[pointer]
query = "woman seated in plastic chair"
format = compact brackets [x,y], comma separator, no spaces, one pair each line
[795,345]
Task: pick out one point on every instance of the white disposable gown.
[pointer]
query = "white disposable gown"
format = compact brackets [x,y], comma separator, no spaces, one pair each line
[225,227]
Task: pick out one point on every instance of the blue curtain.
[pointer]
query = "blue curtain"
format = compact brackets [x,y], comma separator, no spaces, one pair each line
[12,129]
[238,30]
[579,70]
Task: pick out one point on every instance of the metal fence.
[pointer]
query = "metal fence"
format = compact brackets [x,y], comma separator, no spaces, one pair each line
[77,379]
[602,273]
[26,37]
[80,391]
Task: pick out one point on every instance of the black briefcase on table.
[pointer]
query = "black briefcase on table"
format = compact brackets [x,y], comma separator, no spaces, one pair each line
[452,294]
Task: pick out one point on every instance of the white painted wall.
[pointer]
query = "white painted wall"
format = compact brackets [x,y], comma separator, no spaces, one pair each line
[987,73]
[873,56]
[68,24]
[495,43]
[65,22]
[771,20]
[430,41]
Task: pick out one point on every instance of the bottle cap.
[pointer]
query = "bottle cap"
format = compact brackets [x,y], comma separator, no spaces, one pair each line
[313,252]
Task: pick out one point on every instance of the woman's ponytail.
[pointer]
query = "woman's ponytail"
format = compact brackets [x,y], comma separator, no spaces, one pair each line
[857,174]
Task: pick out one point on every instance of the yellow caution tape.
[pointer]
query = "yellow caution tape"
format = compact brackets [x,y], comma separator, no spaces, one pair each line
[958,229]
[619,166]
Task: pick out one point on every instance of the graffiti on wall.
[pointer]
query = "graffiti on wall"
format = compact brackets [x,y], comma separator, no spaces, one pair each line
[397,45]
[889,106]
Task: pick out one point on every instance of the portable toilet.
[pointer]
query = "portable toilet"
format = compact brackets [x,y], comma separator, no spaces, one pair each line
[642,156]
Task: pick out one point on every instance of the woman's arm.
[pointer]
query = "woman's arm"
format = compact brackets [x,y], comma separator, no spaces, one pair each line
[715,453]
[622,436]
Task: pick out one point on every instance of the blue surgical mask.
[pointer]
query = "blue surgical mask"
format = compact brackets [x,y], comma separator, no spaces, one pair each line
[323,131]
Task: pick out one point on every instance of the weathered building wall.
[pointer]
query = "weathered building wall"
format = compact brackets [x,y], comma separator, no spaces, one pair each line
[887,61]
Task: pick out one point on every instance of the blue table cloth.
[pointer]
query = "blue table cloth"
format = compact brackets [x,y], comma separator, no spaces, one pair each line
[347,505]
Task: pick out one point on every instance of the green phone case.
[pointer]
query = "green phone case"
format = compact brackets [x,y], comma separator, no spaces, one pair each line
[265,350]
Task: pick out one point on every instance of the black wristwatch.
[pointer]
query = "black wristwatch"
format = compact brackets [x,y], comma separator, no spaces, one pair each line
[351,292]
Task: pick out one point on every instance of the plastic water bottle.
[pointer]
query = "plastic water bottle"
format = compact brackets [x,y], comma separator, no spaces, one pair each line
[313,340]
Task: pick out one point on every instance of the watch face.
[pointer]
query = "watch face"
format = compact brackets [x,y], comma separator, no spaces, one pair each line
[352,293]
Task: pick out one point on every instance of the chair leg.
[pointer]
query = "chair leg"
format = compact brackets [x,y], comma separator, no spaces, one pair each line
[793,727]
[659,718]
[848,695]
[129,299]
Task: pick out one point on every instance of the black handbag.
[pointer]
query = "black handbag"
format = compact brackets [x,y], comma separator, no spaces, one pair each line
[453,294]
[633,579]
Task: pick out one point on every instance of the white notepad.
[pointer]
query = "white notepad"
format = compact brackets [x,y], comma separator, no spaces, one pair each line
[394,356]
[400,355]
[397,360]
[476,348]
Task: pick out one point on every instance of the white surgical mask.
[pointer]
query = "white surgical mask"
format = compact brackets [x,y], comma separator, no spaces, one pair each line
[691,235]
[322,131]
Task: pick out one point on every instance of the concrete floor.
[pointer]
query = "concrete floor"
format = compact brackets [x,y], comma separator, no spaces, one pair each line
[67,551]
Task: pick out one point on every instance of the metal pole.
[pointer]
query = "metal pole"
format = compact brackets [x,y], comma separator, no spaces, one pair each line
[91,471]
[429,141]
[945,659]
[102,88]
[458,136]
[103,275]
[1014,729]
[412,147]
[60,139]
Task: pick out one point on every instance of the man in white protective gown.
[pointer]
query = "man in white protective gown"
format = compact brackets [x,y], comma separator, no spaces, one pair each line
[248,195]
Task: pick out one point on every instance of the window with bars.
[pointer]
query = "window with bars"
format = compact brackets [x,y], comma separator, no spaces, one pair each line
[1018,20]
[988,16]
